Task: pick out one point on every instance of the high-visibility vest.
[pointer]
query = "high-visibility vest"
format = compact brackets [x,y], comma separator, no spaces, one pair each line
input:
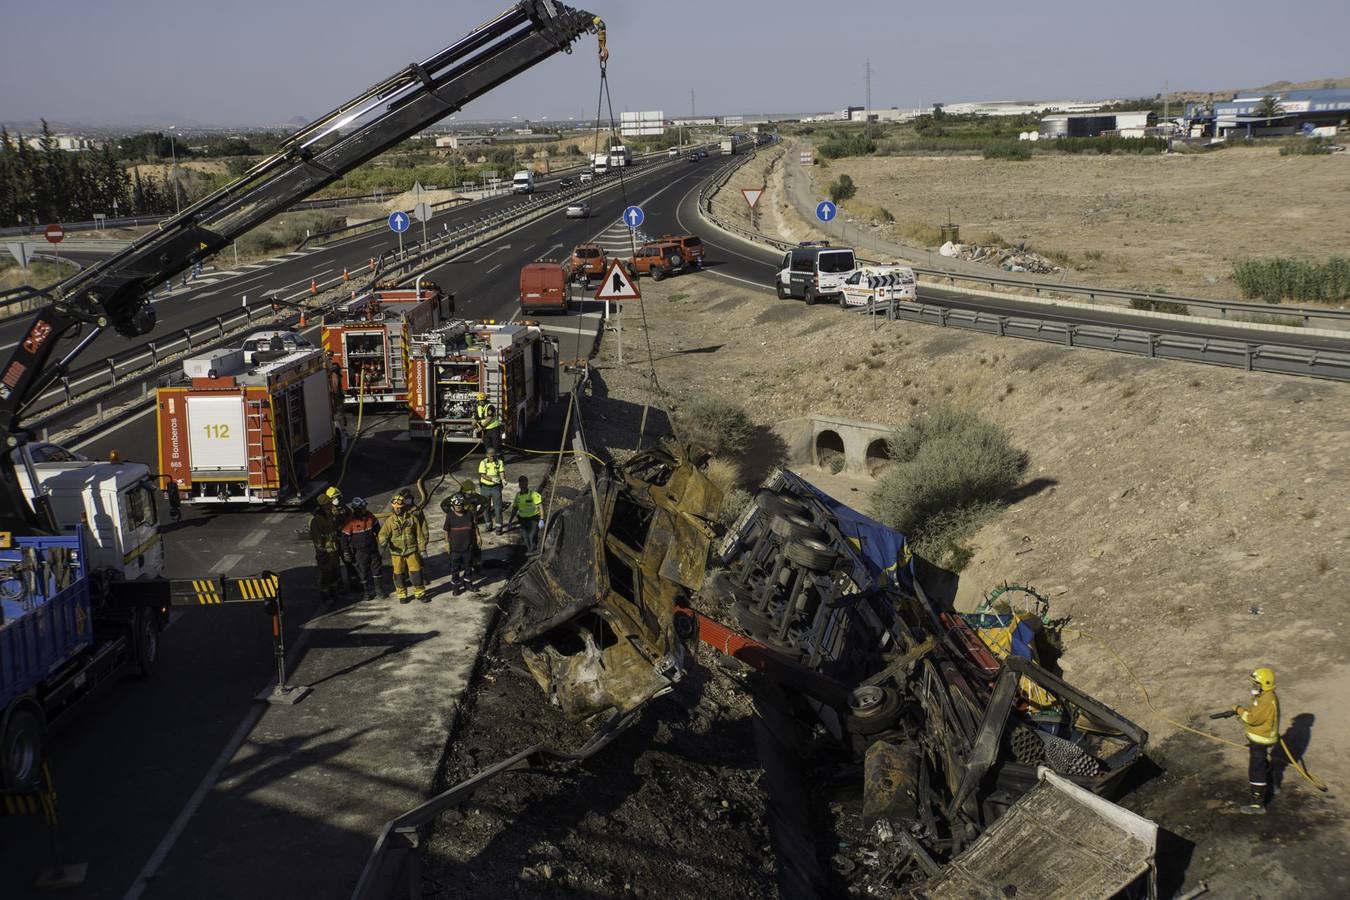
[490,472]
[480,412]
[491,424]
[528,504]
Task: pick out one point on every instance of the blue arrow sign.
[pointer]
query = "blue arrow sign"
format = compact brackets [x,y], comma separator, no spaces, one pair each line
[825,211]
[633,216]
[398,221]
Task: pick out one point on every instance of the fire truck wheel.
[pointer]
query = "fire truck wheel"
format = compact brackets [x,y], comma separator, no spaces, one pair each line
[21,737]
[145,641]
[811,554]
[809,295]
[794,527]
[779,504]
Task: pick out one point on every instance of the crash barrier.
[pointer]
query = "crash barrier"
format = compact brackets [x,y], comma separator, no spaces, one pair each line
[1223,308]
[1159,344]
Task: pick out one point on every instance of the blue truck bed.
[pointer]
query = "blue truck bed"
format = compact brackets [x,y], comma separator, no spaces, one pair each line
[46,619]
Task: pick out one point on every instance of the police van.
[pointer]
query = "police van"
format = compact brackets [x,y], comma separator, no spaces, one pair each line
[879,285]
[814,270]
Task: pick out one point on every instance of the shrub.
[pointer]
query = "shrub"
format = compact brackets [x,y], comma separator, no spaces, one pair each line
[1106,145]
[950,469]
[843,189]
[839,147]
[719,426]
[724,473]
[885,214]
[1280,278]
[1162,306]
[1018,151]
[734,502]
[1305,147]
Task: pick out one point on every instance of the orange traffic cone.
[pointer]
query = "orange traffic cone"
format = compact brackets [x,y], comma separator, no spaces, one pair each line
[372,264]
[302,318]
[344,274]
[314,285]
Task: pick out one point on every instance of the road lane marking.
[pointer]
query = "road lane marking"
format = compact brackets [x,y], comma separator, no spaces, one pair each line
[253,539]
[494,268]
[227,563]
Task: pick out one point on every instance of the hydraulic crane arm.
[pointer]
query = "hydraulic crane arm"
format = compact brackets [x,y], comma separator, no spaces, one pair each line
[114,292]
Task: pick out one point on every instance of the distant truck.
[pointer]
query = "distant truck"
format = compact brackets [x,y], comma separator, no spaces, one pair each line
[522,182]
[599,163]
[620,156]
[728,146]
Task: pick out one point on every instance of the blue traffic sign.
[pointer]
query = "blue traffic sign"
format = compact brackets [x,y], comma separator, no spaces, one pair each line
[633,216]
[825,210]
[398,221]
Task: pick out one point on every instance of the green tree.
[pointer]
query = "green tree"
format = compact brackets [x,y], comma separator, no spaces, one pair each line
[1269,108]
[843,189]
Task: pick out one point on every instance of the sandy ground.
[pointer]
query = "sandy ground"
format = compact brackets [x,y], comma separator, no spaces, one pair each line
[1194,518]
[1174,223]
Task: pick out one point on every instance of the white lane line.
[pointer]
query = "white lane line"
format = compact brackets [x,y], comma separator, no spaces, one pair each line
[227,563]
[494,268]
[756,284]
[275,518]
[490,253]
[313,277]
[566,330]
[253,539]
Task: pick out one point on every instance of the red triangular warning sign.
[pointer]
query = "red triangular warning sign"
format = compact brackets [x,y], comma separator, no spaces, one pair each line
[751,195]
[617,285]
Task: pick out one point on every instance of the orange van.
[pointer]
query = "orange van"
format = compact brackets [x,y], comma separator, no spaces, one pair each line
[544,287]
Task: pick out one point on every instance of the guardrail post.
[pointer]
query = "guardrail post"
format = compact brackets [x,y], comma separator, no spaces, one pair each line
[1152,346]
[65,383]
[1002,326]
[1069,334]
[154,353]
[1249,353]
[187,339]
[220,325]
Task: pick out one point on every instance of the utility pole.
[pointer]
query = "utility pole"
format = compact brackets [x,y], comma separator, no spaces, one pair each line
[867,110]
[1167,106]
[691,104]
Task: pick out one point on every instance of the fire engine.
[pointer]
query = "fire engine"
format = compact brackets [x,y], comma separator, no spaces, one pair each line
[513,363]
[368,339]
[251,426]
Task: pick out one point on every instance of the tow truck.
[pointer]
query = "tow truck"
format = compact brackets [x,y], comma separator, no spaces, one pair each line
[80,552]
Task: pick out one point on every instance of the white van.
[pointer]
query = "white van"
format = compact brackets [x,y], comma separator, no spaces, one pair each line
[880,285]
[523,182]
[814,270]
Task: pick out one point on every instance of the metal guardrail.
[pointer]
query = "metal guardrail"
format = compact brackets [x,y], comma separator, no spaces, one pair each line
[1307,314]
[1252,357]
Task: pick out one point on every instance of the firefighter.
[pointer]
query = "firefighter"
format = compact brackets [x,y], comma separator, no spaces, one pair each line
[461,536]
[405,534]
[492,430]
[359,543]
[480,412]
[1261,721]
[491,474]
[323,534]
[528,508]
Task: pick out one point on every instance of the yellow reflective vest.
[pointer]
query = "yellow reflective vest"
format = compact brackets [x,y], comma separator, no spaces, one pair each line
[529,504]
[491,472]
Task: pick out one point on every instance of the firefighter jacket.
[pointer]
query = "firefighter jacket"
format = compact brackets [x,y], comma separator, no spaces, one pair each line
[529,504]
[359,535]
[460,533]
[323,531]
[405,534]
[1262,718]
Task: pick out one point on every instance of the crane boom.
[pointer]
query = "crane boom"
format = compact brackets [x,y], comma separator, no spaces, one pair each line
[115,291]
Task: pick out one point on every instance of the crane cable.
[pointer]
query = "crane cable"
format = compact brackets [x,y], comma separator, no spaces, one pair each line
[1148,701]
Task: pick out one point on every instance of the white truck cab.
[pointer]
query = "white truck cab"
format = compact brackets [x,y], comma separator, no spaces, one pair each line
[522,182]
[116,501]
[879,285]
[814,270]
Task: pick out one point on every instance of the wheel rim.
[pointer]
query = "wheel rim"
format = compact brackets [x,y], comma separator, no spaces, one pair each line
[21,756]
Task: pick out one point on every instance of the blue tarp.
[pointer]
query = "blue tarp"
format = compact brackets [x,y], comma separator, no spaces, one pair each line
[884,550]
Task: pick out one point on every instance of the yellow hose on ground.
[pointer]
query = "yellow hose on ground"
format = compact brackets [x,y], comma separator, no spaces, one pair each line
[1148,701]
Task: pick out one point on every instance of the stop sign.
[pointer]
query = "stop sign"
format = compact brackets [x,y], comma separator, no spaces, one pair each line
[55,233]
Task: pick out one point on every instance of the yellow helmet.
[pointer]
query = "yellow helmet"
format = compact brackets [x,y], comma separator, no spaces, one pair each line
[481,396]
[1264,678]
[333,495]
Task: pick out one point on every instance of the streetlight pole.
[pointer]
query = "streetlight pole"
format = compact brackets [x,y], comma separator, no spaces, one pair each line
[173,154]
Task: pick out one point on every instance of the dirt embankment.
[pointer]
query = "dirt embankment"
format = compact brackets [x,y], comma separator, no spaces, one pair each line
[1172,223]
[1196,519]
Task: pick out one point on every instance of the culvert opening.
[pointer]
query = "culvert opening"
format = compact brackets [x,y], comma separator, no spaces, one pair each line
[830,451]
[878,456]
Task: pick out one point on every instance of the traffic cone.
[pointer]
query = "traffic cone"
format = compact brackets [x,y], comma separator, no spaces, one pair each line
[302,323]
[314,285]
[344,274]
[372,264]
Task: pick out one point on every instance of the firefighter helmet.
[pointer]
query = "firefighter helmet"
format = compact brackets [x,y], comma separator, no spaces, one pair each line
[358,503]
[1264,678]
[481,396]
[457,500]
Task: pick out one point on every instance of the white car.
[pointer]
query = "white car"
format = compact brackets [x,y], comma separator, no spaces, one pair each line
[585,178]
[579,210]
[879,284]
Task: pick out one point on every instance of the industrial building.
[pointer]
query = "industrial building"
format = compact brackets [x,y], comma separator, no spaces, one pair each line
[1133,123]
[1297,111]
[642,124]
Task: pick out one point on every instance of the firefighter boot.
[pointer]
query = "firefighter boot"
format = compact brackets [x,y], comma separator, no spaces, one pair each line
[1256,802]
[419,588]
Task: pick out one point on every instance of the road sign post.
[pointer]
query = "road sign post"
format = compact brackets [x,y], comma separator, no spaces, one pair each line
[421,211]
[752,196]
[618,285]
[55,234]
[633,217]
[398,223]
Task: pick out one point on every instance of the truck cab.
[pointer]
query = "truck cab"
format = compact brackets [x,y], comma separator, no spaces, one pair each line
[522,182]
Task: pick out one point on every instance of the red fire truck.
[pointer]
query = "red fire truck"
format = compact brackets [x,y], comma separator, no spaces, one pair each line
[252,425]
[513,363]
[368,339]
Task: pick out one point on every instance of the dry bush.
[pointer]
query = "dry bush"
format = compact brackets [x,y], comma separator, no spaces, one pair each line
[718,426]
[724,473]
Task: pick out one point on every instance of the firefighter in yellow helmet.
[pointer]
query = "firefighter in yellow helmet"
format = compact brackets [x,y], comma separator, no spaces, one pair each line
[480,412]
[405,534]
[1261,721]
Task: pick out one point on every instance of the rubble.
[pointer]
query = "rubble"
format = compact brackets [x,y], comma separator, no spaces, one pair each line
[1009,259]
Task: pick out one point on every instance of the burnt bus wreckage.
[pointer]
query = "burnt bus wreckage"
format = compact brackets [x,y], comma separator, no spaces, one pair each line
[949,733]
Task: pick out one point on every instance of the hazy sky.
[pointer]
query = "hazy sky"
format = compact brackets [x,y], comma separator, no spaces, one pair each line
[259,61]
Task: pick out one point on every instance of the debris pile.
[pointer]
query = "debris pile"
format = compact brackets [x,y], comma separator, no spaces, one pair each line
[1009,259]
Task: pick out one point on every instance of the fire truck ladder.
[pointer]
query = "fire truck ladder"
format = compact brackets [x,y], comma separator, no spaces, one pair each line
[261,446]
[398,358]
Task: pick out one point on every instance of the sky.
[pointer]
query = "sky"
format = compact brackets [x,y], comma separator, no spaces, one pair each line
[244,62]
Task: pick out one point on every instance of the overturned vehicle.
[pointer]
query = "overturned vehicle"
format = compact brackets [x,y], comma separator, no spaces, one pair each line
[952,720]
